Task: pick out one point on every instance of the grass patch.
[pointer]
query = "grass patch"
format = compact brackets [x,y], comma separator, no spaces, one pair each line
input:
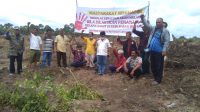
[31,95]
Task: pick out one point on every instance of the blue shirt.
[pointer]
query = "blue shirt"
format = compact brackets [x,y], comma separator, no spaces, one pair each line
[155,44]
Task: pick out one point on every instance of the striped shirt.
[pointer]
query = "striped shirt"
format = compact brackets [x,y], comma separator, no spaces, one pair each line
[48,45]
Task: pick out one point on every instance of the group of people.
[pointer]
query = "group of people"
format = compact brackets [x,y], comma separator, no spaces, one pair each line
[132,59]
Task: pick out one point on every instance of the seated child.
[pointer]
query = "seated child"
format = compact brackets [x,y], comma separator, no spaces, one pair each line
[119,63]
[79,56]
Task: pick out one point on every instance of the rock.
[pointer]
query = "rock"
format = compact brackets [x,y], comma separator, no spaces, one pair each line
[195,95]
[169,104]
[172,105]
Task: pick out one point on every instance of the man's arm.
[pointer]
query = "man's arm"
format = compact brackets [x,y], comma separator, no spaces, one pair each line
[145,23]
[119,40]
[55,45]
[166,42]
[125,67]
[41,45]
[82,34]
[28,27]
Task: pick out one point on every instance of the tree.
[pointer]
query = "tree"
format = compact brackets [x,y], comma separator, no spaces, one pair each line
[8,25]
[2,29]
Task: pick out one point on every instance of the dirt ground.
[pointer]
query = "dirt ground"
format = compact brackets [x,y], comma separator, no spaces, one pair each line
[179,91]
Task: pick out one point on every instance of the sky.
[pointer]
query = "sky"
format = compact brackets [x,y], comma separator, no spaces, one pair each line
[182,16]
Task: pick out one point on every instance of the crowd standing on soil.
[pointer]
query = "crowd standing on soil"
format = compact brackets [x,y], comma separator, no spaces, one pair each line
[133,59]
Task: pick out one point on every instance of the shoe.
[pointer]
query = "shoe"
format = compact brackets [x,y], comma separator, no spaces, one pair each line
[155,83]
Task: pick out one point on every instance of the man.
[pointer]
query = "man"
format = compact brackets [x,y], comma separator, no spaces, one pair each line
[47,48]
[60,47]
[157,45]
[35,47]
[133,65]
[90,49]
[119,62]
[128,45]
[103,46]
[15,50]
[144,36]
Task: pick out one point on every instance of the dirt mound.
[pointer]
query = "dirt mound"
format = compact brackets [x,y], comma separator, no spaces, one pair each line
[183,55]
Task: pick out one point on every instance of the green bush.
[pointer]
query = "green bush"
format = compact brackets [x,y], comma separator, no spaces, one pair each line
[31,95]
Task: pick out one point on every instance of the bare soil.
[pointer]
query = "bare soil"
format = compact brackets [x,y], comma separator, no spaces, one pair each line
[179,91]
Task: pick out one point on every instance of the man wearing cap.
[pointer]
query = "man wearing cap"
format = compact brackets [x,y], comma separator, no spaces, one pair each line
[103,46]
[16,49]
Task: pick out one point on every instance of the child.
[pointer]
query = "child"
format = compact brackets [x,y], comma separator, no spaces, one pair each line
[79,56]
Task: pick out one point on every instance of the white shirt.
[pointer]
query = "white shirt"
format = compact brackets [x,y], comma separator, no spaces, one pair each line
[102,47]
[35,42]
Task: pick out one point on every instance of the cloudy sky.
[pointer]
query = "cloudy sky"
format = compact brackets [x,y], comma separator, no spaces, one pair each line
[183,17]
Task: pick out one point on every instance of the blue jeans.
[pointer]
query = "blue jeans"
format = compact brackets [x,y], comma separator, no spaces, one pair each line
[113,68]
[101,63]
[47,56]
[77,64]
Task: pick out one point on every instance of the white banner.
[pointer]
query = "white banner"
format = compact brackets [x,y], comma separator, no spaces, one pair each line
[114,21]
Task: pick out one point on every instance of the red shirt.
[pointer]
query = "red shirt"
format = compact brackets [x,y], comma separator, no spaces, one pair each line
[121,60]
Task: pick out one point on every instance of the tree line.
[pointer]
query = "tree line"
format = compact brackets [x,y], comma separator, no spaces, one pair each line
[68,28]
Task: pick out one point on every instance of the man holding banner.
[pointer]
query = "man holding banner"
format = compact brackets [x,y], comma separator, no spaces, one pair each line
[157,45]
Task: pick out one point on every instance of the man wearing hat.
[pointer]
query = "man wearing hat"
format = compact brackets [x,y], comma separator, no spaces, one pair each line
[103,46]
[16,49]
